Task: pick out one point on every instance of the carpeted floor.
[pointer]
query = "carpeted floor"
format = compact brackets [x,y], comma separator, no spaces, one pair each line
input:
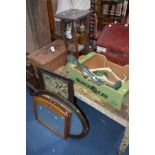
[103,138]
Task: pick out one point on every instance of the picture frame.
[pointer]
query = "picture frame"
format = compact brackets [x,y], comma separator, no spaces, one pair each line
[52,115]
[55,83]
[76,124]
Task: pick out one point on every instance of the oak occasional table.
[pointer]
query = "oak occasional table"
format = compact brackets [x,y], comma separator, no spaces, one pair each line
[75,23]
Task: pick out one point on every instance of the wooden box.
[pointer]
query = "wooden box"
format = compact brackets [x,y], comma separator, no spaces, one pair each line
[47,59]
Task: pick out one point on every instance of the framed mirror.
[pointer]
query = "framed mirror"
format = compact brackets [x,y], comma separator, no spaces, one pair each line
[75,126]
[52,115]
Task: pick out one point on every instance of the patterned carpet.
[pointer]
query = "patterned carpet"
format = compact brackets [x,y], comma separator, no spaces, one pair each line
[103,138]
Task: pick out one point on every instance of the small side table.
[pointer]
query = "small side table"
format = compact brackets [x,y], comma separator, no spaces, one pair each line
[75,28]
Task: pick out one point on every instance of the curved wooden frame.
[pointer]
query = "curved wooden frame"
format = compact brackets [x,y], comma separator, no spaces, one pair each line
[72,108]
[53,106]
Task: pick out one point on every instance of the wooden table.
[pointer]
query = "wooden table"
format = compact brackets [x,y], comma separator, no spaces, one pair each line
[120,116]
[74,17]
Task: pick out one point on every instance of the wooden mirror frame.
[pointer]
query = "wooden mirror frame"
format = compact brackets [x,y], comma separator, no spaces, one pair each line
[57,108]
[71,107]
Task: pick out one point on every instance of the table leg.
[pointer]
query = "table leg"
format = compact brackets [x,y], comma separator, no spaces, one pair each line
[125,142]
[76,52]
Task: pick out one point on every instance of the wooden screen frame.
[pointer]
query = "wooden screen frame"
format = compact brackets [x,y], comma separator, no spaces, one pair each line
[57,108]
[69,82]
[72,108]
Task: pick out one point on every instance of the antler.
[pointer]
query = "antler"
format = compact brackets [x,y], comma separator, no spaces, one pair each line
[108,69]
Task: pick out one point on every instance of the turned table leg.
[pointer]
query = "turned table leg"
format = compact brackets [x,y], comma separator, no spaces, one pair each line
[125,142]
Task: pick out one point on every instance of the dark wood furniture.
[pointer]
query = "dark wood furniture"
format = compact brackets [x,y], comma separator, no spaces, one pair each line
[50,15]
[127,12]
[78,40]
[32,81]
[93,25]
[110,15]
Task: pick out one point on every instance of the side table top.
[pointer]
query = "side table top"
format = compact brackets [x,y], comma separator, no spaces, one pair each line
[73,14]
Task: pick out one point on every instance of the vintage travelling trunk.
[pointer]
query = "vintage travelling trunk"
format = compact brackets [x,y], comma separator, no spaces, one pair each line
[114,97]
[47,59]
[114,43]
